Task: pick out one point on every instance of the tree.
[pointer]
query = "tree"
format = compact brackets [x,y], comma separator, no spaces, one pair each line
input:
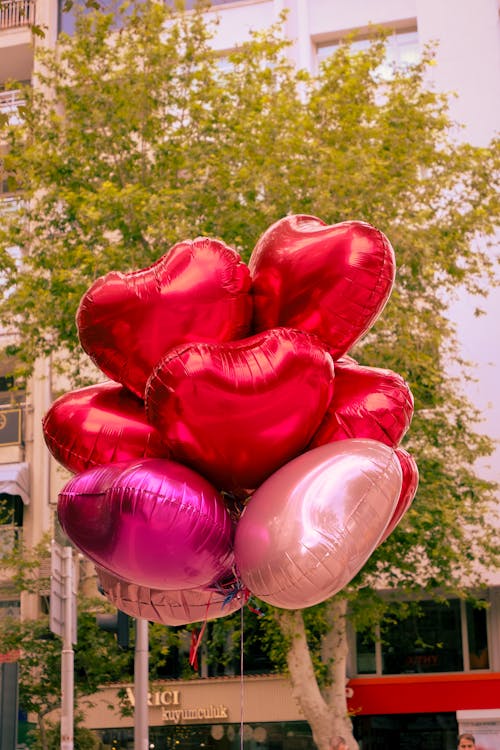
[97,659]
[146,139]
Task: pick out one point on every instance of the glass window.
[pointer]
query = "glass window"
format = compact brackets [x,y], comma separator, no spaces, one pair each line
[10,608]
[292,735]
[429,640]
[438,637]
[477,636]
[402,50]
[365,654]
[11,519]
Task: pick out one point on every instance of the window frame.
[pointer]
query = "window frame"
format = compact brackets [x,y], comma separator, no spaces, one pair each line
[466,660]
[364,36]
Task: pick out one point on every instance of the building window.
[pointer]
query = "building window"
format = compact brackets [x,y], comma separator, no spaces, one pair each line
[430,641]
[477,636]
[402,49]
[441,637]
[10,608]
[11,521]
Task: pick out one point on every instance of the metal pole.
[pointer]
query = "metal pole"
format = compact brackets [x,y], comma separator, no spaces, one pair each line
[141,679]
[67,656]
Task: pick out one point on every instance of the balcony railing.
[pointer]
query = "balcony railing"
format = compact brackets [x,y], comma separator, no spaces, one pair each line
[10,101]
[9,537]
[15,13]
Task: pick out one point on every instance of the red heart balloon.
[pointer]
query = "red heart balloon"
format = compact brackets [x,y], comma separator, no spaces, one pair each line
[198,291]
[99,425]
[237,411]
[408,490]
[329,280]
[152,522]
[368,402]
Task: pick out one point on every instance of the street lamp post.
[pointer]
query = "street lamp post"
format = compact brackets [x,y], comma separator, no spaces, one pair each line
[141,734]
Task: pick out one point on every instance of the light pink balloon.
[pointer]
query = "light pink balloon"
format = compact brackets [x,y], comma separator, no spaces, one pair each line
[172,607]
[154,522]
[314,523]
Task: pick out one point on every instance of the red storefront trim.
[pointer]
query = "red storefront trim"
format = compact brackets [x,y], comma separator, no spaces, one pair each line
[10,656]
[414,694]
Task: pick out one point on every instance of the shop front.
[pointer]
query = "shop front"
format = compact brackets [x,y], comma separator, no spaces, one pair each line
[409,712]
[404,712]
[205,714]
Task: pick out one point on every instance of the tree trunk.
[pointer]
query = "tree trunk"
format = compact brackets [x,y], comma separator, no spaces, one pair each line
[326,713]
[42,732]
[335,649]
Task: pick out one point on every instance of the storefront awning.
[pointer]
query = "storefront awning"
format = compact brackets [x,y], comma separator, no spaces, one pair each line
[15,480]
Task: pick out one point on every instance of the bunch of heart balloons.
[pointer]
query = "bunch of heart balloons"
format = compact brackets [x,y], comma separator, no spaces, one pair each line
[234,448]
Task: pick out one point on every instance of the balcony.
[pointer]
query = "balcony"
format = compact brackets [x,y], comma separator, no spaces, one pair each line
[16,13]
[16,39]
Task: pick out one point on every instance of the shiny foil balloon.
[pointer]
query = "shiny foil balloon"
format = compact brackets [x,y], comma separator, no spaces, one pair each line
[368,402]
[198,291]
[314,523]
[171,607]
[163,525]
[329,280]
[408,490]
[238,411]
[100,424]
[84,511]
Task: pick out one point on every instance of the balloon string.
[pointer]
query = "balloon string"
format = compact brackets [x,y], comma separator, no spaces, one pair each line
[193,653]
[230,591]
[241,677]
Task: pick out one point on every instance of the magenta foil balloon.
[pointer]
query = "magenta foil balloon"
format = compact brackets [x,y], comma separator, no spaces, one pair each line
[83,508]
[314,523]
[368,402]
[163,525]
[100,424]
[171,607]
[198,291]
[332,281]
[238,411]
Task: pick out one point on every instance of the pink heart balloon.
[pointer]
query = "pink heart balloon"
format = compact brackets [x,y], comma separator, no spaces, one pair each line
[198,291]
[237,411]
[160,524]
[312,525]
[329,280]
[408,490]
[100,424]
[368,402]
[171,607]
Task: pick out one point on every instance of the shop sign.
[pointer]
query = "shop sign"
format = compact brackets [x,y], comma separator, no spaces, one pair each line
[203,714]
[157,698]
[172,711]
